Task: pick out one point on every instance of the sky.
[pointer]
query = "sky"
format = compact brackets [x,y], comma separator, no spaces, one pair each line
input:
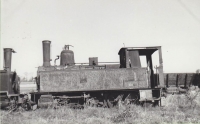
[99,28]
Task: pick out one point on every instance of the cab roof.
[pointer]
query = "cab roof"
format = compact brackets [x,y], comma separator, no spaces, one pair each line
[142,50]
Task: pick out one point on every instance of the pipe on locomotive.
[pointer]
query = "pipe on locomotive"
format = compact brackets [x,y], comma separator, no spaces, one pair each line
[46,53]
[8,58]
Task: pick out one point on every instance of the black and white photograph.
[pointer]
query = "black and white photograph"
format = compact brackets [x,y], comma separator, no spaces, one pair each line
[100,62]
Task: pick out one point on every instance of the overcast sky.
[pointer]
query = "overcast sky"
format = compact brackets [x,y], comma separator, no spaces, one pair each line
[98,28]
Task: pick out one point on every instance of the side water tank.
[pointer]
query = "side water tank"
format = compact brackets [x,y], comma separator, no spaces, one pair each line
[67,56]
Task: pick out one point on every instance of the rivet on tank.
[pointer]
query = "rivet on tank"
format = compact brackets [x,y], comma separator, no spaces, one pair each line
[67,56]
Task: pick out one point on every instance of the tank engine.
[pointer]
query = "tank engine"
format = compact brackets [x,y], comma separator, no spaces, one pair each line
[10,96]
[9,89]
[99,84]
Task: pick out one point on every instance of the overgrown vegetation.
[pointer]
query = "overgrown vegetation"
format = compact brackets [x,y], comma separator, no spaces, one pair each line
[179,109]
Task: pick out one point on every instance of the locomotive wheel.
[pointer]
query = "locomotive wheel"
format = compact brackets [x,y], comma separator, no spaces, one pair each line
[92,102]
[110,104]
[107,104]
[12,104]
[24,107]
[147,104]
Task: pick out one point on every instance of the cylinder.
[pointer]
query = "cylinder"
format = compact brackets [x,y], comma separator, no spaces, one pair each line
[7,58]
[46,53]
[93,61]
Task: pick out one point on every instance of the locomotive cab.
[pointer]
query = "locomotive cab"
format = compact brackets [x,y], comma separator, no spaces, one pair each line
[130,58]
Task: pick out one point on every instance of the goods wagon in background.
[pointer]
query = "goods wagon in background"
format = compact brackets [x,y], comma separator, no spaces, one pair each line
[99,83]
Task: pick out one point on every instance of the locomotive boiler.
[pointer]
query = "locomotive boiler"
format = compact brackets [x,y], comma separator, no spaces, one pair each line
[99,83]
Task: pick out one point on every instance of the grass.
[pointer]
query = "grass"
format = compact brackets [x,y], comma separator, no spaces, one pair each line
[179,109]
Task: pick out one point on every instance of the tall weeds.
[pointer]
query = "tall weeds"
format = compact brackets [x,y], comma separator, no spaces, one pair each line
[180,109]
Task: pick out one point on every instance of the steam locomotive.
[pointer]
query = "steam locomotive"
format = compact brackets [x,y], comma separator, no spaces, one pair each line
[10,96]
[9,89]
[96,83]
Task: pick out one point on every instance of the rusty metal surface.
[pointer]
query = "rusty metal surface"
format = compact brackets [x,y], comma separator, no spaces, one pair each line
[93,79]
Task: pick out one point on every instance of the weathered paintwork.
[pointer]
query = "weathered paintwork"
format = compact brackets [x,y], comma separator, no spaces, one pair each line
[93,79]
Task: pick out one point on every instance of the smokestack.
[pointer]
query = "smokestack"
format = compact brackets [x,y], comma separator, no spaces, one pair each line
[7,58]
[46,53]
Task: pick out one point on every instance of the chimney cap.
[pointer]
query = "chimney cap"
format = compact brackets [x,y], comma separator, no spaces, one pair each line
[7,48]
[46,41]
